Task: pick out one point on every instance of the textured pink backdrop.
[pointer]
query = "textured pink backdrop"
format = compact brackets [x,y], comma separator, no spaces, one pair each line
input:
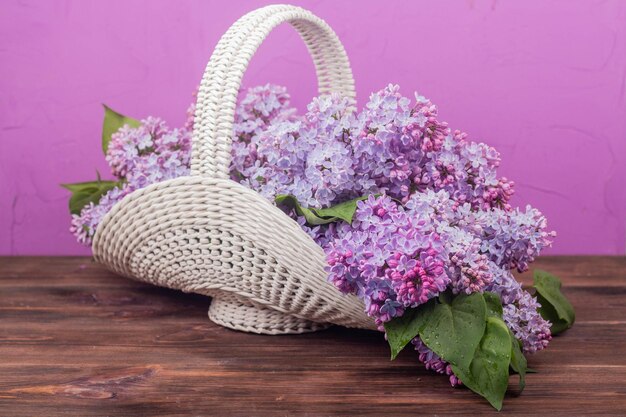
[544,82]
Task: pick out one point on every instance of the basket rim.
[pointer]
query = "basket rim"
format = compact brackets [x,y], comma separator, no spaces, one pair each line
[184,181]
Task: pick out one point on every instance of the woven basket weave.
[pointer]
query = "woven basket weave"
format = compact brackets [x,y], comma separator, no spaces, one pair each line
[210,235]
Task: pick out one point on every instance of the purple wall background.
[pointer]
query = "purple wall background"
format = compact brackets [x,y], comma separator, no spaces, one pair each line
[544,82]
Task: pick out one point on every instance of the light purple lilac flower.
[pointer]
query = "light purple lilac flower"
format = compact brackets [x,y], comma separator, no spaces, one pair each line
[392,146]
[453,200]
[153,152]
[258,108]
[437,217]
[388,257]
[139,157]
[307,157]
[520,312]
[84,226]
[433,362]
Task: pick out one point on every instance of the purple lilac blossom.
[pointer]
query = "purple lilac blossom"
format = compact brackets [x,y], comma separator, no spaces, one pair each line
[153,152]
[84,226]
[138,157]
[441,218]
[433,362]
[370,259]
[307,157]
[332,154]
[452,197]
[387,256]
[258,108]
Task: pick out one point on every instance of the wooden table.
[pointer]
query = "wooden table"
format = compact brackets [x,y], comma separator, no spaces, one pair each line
[76,339]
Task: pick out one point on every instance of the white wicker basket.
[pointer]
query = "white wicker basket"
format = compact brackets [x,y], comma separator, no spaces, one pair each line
[210,235]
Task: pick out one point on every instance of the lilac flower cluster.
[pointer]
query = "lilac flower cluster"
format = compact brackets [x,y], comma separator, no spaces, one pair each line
[150,153]
[437,217]
[433,362]
[442,221]
[306,156]
[417,250]
[84,226]
[257,110]
[332,154]
[389,257]
[153,152]
[138,157]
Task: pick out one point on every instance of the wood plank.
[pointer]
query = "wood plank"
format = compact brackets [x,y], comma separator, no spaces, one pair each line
[76,339]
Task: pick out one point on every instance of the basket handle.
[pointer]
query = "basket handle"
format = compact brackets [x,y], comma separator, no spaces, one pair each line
[217,96]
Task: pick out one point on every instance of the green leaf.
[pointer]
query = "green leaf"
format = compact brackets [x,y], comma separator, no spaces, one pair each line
[554,306]
[494,305]
[309,215]
[401,330]
[488,372]
[454,330]
[343,211]
[113,121]
[84,193]
[518,361]
[446,297]
[548,312]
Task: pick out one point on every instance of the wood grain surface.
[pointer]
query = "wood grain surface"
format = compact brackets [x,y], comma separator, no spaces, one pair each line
[77,340]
